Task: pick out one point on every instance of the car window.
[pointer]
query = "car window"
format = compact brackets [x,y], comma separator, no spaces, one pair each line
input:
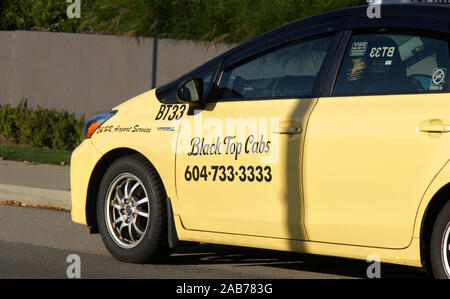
[289,71]
[393,63]
[169,95]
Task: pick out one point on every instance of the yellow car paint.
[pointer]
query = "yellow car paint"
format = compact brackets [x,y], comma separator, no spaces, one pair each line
[376,164]
[374,141]
[252,206]
[84,158]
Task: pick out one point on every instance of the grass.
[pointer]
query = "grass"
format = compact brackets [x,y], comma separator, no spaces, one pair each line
[34,154]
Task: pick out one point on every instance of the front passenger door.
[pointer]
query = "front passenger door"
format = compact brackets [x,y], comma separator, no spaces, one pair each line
[239,158]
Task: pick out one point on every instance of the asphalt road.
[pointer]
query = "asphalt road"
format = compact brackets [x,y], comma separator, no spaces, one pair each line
[35,175]
[35,243]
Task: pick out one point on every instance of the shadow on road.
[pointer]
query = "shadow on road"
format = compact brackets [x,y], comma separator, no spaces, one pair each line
[250,257]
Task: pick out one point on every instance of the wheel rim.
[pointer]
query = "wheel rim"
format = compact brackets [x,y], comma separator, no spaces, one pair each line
[445,250]
[127,210]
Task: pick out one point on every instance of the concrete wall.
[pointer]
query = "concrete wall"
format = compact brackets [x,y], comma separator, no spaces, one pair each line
[89,73]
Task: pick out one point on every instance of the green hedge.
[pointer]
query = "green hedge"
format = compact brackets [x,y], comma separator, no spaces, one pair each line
[40,127]
[231,21]
[39,15]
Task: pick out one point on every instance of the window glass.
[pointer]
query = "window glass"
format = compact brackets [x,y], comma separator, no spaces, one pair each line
[393,63]
[208,77]
[169,95]
[289,71]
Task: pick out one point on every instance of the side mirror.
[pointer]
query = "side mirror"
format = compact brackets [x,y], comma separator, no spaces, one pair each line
[191,92]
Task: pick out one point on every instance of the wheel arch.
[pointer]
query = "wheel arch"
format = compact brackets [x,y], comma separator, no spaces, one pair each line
[96,177]
[440,198]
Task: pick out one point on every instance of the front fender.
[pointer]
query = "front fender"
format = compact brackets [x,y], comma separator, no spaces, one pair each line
[136,127]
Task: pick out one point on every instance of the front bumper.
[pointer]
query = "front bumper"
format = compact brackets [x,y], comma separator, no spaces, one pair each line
[83,161]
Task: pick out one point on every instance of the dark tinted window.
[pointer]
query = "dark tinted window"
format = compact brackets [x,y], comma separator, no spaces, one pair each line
[167,94]
[290,71]
[394,63]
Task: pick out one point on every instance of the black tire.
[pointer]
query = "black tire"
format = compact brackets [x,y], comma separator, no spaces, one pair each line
[440,244]
[129,180]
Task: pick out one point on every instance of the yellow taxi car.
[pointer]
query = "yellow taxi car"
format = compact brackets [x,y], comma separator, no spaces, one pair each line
[329,135]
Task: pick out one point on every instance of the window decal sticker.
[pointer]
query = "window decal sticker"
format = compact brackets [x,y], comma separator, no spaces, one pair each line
[355,73]
[439,76]
[382,52]
[380,67]
[359,49]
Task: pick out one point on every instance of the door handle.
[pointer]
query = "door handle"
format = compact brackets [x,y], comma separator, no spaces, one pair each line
[289,128]
[434,126]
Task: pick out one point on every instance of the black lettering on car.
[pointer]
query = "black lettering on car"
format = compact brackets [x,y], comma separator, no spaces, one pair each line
[170,112]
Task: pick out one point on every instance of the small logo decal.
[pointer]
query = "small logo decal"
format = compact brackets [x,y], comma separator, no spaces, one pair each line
[439,76]
[167,129]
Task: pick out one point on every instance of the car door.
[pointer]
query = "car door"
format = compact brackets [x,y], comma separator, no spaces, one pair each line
[374,146]
[239,158]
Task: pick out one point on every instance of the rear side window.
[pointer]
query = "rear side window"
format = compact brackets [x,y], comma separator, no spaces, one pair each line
[290,71]
[394,63]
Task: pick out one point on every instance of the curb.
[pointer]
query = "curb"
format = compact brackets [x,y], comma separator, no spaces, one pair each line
[36,196]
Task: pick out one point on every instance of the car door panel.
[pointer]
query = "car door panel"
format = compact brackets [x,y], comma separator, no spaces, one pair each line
[261,108]
[370,158]
[367,165]
[266,204]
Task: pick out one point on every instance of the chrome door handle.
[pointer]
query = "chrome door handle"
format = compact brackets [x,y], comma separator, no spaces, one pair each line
[434,126]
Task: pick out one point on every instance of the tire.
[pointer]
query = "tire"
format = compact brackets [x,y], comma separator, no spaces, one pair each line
[440,244]
[132,212]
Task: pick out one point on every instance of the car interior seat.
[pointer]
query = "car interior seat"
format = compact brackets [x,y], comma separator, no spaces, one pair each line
[385,72]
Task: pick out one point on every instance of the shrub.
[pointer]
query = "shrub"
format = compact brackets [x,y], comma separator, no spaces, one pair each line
[40,127]
[38,15]
[231,21]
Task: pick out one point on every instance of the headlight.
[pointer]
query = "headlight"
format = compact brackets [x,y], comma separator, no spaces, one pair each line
[95,122]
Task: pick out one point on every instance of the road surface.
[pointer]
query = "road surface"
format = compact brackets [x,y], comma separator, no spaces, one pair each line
[35,243]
